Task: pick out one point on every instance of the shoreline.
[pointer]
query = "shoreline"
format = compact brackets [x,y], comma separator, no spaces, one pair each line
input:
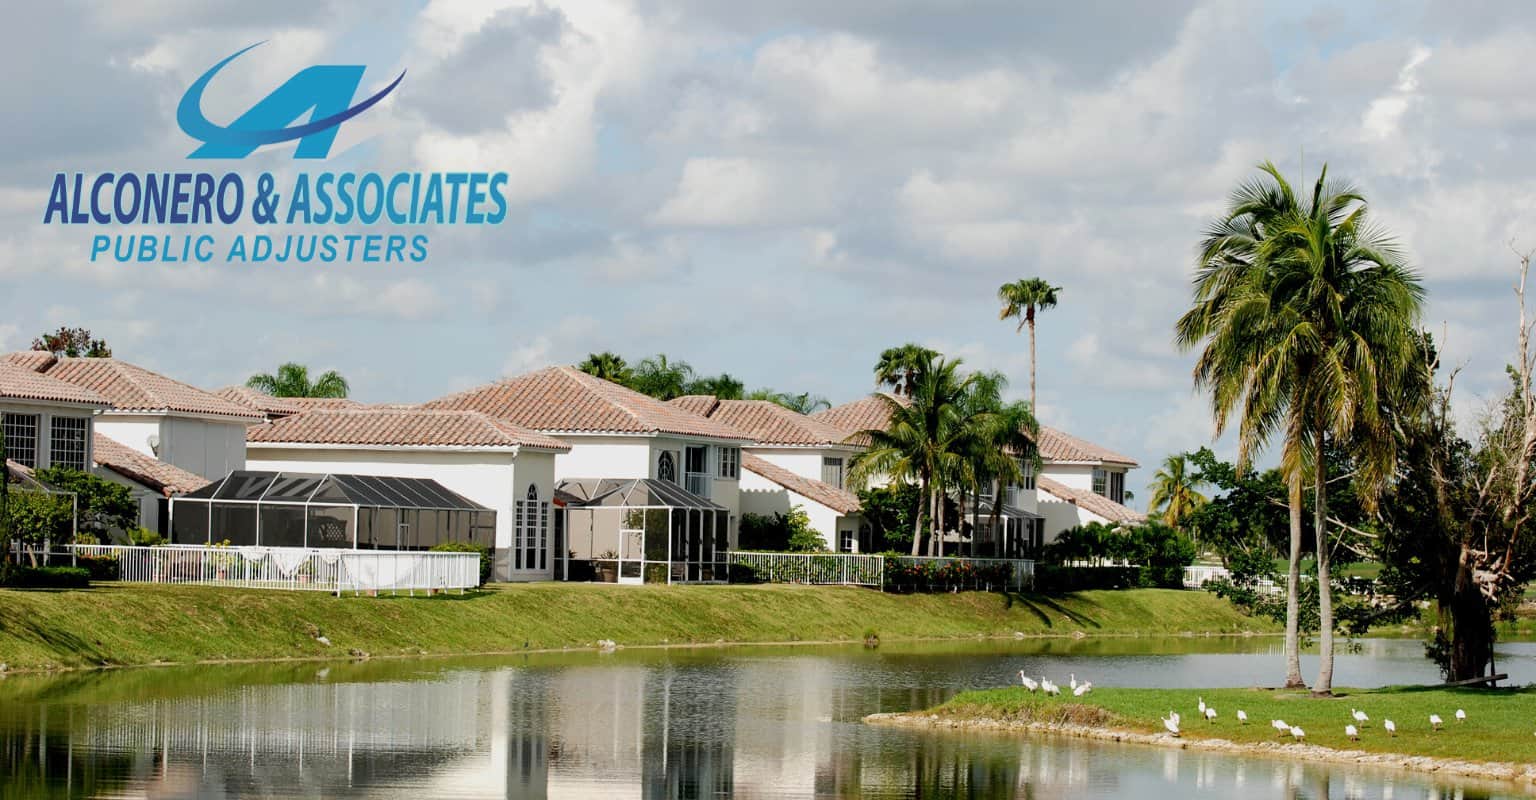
[594,649]
[1523,775]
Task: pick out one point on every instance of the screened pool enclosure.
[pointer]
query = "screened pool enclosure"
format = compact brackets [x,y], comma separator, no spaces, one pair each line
[296,509]
[642,531]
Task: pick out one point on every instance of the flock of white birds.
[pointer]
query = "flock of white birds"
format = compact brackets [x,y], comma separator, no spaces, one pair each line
[1208,713]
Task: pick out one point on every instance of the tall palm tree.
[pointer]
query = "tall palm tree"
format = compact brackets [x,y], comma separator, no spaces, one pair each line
[1306,314]
[1021,300]
[1175,490]
[608,366]
[900,366]
[292,380]
[661,377]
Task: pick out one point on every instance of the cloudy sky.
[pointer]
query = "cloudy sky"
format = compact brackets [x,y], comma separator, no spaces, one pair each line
[781,189]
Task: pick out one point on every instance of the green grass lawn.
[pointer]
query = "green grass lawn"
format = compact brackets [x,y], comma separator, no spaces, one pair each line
[122,624]
[1501,724]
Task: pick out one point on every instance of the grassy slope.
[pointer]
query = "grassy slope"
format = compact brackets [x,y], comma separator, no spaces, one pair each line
[1499,727]
[121,624]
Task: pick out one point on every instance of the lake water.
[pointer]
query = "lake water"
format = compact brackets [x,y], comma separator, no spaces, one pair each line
[742,722]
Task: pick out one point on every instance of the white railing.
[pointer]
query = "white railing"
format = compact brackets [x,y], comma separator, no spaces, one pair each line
[296,568]
[856,569]
[1198,575]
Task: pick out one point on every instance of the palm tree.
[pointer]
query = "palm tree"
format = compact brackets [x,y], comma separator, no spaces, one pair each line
[1003,441]
[899,367]
[1175,490]
[1022,299]
[661,377]
[607,366]
[1307,315]
[722,386]
[292,380]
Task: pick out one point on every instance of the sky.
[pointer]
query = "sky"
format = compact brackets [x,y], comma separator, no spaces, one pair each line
[780,190]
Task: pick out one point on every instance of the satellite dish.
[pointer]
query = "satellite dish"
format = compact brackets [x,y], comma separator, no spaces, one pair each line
[154,443]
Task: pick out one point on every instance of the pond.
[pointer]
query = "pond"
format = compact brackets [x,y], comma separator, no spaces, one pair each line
[743,722]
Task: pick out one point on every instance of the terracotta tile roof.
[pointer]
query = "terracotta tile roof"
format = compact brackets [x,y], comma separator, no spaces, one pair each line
[20,383]
[274,407]
[866,413]
[35,360]
[1094,503]
[135,466]
[567,400]
[129,387]
[840,500]
[400,427]
[764,421]
[1057,445]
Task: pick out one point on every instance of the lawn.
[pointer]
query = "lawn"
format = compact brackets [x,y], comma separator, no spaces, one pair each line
[1500,723]
[122,624]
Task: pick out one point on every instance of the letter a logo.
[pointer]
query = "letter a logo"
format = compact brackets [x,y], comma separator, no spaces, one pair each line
[323,92]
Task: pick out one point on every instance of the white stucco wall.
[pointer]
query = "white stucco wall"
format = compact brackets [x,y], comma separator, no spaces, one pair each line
[605,457]
[762,496]
[207,447]
[492,479]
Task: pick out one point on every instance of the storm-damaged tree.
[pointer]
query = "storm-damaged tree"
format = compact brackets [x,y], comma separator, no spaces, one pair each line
[1458,524]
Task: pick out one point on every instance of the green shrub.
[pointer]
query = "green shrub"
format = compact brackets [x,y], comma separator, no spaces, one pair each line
[49,578]
[1056,578]
[780,533]
[487,556]
[144,537]
[101,568]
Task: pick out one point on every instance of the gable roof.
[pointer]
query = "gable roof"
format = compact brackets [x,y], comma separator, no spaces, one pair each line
[840,500]
[20,383]
[566,400]
[866,413]
[1094,503]
[1056,445]
[766,422]
[167,479]
[274,407]
[129,387]
[400,427]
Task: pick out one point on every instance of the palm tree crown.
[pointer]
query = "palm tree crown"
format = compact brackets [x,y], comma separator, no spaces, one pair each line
[1021,300]
[1175,490]
[292,380]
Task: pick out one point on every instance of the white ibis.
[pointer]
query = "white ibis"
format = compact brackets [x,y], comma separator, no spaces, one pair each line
[1461,716]
[1174,715]
[1390,726]
[1242,717]
[1202,705]
[1352,732]
[1072,681]
[1082,689]
[1048,687]
[1280,726]
[1172,723]
[1435,722]
[1026,682]
[1210,714]
[1298,734]
[1359,716]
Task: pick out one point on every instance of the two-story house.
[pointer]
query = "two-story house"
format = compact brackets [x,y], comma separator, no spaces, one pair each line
[1081,482]
[793,460]
[47,422]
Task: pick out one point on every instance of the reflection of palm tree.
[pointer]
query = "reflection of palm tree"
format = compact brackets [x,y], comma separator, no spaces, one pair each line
[1021,300]
[1175,490]
[292,380]
[1306,316]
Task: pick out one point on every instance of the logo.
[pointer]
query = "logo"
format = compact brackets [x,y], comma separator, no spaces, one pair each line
[324,92]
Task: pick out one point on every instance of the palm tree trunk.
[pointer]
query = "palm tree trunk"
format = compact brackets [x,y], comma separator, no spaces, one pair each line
[1324,683]
[1029,317]
[917,519]
[997,510]
[1293,591]
[935,515]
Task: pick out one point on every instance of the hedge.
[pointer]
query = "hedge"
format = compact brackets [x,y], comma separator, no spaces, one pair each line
[48,578]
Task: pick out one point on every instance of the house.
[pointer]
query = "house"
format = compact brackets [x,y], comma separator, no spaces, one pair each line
[504,467]
[47,422]
[274,408]
[157,416]
[1081,482]
[152,482]
[793,460]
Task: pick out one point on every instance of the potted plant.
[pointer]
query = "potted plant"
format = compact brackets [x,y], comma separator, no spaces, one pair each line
[607,566]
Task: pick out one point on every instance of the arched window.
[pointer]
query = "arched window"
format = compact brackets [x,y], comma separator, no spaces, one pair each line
[666,469]
[533,493]
[530,532]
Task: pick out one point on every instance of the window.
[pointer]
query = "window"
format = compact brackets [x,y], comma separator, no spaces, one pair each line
[21,438]
[66,442]
[847,543]
[530,532]
[832,471]
[730,462]
[696,469]
[666,469]
[1117,487]
[1100,482]
[1027,467]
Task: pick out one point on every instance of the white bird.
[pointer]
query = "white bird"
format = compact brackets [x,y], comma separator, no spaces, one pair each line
[1280,726]
[1359,716]
[1210,714]
[1390,726]
[1435,721]
[1242,717]
[1202,705]
[1072,680]
[1297,733]
[1461,716]
[1172,723]
[1352,732]
[1082,689]
[1174,715]
[1027,683]
[1048,687]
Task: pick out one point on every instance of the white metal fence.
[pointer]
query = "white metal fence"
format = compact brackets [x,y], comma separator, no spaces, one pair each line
[1197,576]
[898,572]
[297,568]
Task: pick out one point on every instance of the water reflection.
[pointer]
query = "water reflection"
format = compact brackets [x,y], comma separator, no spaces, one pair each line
[639,724]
